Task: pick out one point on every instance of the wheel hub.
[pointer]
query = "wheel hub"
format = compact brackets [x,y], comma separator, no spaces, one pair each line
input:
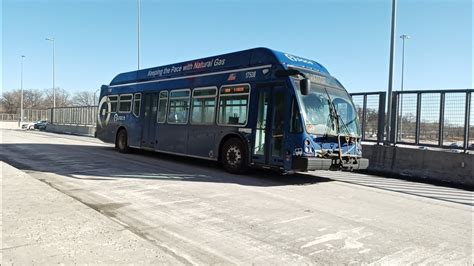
[234,156]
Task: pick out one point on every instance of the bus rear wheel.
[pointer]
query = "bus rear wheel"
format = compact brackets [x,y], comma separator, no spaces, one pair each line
[234,157]
[121,144]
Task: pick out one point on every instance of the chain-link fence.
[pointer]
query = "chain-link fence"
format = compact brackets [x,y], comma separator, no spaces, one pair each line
[439,118]
[80,115]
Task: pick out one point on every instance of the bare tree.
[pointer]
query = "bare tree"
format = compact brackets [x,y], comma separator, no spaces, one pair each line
[62,98]
[43,99]
[33,99]
[11,101]
[84,98]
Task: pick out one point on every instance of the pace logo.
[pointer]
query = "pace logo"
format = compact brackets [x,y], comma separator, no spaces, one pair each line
[118,117]
[299,59]
[103,115]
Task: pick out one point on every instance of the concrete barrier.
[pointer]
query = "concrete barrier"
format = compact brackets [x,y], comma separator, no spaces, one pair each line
[434,165]
[9,124]
[72,129]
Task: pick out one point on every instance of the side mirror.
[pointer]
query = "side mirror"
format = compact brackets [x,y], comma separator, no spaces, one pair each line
[305,85]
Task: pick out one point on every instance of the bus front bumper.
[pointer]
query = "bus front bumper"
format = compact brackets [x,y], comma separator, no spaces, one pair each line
[311,163]
[314,163]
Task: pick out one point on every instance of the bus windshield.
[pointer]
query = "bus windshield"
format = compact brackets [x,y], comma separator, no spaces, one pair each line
[328,111]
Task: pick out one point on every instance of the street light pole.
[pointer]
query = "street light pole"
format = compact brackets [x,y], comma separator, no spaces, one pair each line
[390,74]
[54,86]
[403,37]
[21,85]
[138,32]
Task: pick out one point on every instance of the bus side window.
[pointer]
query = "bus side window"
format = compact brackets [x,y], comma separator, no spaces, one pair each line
[179,106]
[162,107]
[113,103]
[233,105]
[136,104]
[295,122]
[203,105]
[125,103]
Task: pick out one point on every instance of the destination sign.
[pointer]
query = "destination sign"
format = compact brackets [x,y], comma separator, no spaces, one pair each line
[235,89]
[317,79]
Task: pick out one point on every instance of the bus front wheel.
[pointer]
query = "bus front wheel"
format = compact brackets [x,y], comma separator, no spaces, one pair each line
[122,141]
[234,156]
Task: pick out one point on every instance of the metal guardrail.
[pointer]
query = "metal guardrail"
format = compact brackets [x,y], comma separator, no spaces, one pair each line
[77,115]
[436,118]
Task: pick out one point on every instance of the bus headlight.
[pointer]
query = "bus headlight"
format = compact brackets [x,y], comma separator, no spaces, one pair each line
[307,147]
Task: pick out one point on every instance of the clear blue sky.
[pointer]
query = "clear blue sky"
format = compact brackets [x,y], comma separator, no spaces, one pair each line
[95,40]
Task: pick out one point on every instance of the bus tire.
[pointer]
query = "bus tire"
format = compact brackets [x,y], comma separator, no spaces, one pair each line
[121,144]
[234,156]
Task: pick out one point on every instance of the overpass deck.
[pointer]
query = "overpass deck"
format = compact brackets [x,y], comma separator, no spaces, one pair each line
[200,214]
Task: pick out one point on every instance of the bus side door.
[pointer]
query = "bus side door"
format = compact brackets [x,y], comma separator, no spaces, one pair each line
[268,148]
[149,120]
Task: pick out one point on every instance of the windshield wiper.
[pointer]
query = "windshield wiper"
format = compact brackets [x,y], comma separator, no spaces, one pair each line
[338,117]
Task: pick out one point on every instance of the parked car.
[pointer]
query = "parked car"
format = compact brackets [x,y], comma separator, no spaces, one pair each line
[455,145]
[41,125]
[28,126]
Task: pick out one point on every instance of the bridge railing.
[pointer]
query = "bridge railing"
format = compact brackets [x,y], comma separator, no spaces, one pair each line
[436,118]
[9,117]
[371,110]
[29,115]
[77,115]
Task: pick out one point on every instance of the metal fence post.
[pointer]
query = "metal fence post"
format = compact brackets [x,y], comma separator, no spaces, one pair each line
[394,119]
[441,120]
[467,120]
[364,115]
[418,118]
[381,120]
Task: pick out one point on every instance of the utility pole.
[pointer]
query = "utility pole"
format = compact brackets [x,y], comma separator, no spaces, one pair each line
[390,74]
[54,78]
[138,31]
[21,86]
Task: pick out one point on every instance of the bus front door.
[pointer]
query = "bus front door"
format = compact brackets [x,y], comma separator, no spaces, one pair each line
[268,146]
[149,120]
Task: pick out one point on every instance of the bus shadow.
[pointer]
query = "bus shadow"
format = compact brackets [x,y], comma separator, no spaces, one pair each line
[103,163]
[211,171]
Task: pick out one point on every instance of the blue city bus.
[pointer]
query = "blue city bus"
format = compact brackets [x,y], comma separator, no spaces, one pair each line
[256,108]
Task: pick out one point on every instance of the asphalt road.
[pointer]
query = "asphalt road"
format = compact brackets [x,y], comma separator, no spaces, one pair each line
[199,214]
